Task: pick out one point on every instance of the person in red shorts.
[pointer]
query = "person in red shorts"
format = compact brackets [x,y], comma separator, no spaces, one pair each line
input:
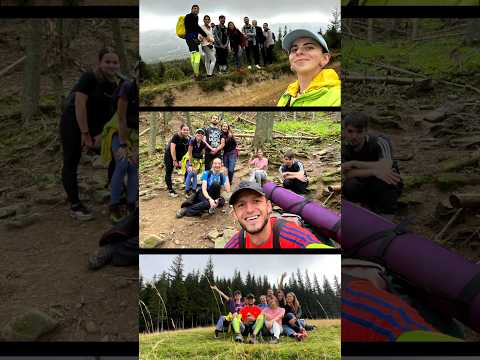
[253,211]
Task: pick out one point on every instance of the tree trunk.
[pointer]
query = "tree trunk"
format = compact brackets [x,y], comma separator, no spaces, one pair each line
[153,133]
[414,33]
[263,129]
[31,85]
[58,65]
[189,121]
[119,45]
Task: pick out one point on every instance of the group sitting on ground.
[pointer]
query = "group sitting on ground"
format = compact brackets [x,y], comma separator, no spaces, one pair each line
[212,155]
[274,316]
[218,41]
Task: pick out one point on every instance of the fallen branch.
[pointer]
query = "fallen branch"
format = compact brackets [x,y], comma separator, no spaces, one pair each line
[385,79]
[455,164]
[465,200]
[438,36]
[144,131]
[11,66]
[279,136]
[448,224]
[254,123]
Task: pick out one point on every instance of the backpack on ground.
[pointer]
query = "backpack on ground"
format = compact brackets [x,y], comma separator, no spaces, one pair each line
[180,28]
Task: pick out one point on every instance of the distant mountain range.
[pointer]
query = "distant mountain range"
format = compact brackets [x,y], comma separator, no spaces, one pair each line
[161,45]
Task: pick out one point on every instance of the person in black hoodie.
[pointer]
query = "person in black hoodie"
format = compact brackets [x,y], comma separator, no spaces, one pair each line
[192,29]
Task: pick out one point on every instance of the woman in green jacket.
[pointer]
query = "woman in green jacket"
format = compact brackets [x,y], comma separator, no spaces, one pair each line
[315,86]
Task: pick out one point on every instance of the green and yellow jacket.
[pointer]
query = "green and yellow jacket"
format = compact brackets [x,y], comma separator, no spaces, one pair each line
[324,90]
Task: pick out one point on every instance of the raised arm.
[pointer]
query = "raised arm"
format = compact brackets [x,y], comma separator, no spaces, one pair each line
[280,282]
[214,287]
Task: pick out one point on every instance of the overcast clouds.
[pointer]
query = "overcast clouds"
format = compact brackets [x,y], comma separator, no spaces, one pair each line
[270,265]
[156,14]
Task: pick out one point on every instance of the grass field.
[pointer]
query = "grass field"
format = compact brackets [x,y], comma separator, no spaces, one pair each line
[199,343]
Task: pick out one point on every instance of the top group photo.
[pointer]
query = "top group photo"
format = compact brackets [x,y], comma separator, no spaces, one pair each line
[248,53]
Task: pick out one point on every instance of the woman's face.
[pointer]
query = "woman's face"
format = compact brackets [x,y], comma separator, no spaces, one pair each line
[109,64]
[259,154]
[306,56]
[230,26]
[199,136]
[290,298]
[225,128]
[185,131]
[280,295]
[206,20]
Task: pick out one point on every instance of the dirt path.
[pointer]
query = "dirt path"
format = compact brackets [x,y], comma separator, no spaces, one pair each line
[265,93]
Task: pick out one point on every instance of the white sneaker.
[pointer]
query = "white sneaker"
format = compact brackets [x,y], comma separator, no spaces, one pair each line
[258,66]
[249,67]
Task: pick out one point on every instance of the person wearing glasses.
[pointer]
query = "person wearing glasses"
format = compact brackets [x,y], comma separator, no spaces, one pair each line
[308,54]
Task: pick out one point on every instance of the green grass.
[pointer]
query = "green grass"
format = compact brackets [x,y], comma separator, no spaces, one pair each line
[417,2]
[320,127]
[323,343]
[431,58]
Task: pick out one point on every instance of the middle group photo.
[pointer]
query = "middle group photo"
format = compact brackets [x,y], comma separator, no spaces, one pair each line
[245,53]
[240,180]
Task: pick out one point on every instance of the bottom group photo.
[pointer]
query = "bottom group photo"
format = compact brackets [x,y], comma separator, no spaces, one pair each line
[239,306]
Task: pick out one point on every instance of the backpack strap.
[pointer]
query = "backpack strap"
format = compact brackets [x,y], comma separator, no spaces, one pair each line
[241,238]
[385,237]
[277,228]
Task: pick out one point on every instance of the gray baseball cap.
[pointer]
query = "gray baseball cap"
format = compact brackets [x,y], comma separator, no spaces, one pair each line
[245,185]
[301,33]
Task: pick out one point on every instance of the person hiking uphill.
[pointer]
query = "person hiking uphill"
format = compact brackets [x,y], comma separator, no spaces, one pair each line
[253,210]
[89,106]
[315,86]
[192,29]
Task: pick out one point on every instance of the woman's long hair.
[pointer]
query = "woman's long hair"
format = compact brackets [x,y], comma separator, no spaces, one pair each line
[295,304]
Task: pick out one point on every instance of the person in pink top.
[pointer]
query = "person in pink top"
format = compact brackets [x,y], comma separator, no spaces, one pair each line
[273,318]
[260,166]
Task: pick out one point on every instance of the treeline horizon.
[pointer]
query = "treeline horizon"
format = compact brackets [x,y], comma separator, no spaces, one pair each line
[174,300]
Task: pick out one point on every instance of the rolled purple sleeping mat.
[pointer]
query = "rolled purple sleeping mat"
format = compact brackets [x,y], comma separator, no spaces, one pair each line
[451,282]
[325,220]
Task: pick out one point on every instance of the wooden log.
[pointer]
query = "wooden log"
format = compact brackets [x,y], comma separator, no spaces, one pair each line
[280,136]
[438,36]
[465,200]
[455,164]
[385,79]
[448,181]
[466,142]
[448,224]
[334,188]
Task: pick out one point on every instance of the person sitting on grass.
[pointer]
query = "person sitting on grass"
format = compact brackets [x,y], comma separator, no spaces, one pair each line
[253,211]
[292,324]
[273,319]
[208,197]
[192,162]
[234,305]
[250,322]
[293,174]
[260,166]
[280,295]
[263,302]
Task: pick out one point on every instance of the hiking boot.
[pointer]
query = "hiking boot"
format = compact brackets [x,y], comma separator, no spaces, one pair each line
[172,193]
[116,214]
[102,257]
[238,338]
[211,211]
[181,213]
[80,212]
[253,339]
[274,341]
[310,327]
[217,332]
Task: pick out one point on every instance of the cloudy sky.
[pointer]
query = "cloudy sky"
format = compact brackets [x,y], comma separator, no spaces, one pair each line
[163,15]
[270,265]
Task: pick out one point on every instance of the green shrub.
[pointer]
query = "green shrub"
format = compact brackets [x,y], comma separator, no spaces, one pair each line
[217,84]
[174,74]
[236,78]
